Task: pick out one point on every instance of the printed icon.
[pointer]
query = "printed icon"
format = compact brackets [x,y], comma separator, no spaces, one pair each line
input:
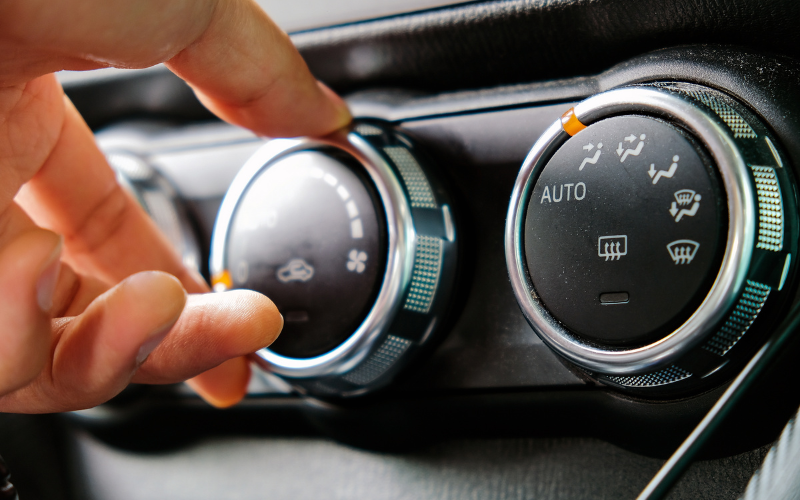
[656,175]
[577,194]
[356,262]
[295,270]
[683,251]
[683,198]
[633,152]
[612,247]
[591,159]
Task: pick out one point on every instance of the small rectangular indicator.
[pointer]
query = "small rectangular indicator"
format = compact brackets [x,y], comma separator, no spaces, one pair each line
[356,229]
[352,209]
[295,316]
[614,298]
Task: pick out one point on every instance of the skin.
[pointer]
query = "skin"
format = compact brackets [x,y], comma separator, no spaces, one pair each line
[92,296]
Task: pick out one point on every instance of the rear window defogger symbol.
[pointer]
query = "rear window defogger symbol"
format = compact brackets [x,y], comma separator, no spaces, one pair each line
[612,247]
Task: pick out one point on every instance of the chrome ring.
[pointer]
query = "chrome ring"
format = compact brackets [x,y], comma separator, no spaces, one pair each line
[735,262]
[399,260]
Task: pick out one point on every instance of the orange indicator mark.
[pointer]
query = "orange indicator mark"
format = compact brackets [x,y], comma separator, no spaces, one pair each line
[570,122]
[222,281]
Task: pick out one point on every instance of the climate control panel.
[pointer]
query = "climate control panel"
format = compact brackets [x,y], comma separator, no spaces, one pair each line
[647,230]
[599,254]
[619,250]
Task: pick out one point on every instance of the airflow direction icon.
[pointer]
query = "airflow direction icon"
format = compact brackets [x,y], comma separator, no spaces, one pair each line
[683,251]
[683,198]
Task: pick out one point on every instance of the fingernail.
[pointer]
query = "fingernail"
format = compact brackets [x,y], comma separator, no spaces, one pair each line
[344,116]
[46,284]
[150,344]
[166,297]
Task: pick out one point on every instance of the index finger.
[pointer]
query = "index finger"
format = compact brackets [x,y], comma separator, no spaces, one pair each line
[240,64]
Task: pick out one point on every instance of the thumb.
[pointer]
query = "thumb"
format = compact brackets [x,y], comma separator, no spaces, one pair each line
[98,352]
[29,268]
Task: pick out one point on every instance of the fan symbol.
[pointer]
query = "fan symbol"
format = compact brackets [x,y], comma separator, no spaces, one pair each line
[356,262]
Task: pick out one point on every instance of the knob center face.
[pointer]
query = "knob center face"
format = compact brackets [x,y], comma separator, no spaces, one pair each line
[624,230]
[308,233]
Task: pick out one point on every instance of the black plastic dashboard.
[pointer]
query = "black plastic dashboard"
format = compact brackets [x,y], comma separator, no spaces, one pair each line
[474,86]
[490,375]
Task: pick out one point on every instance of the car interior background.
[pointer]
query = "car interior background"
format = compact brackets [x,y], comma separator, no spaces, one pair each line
[556,233]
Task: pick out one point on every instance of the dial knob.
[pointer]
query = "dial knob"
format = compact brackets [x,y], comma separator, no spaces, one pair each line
[620,250]
[310,232]
[647,230]
[353,240]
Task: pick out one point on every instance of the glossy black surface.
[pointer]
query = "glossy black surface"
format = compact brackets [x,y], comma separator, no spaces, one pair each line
[623,229]
[7,490]
[306,233]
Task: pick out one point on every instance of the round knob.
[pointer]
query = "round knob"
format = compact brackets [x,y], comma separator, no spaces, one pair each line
[646,231]
[308,231]
[354,242]
[623,230]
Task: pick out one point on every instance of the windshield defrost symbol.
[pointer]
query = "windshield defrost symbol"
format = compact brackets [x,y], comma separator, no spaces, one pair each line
[683,251]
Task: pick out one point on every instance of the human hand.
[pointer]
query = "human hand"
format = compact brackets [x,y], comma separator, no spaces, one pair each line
[79,319]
